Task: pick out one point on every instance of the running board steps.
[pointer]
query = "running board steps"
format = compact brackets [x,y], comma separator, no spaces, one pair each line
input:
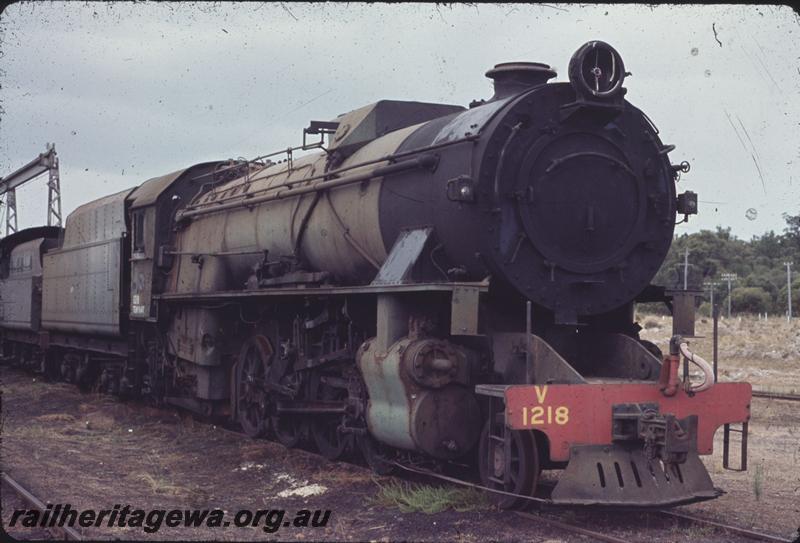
[619,476]
[726,446]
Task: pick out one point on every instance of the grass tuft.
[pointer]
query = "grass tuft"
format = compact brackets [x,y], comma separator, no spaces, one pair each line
[159,485]
[410,498]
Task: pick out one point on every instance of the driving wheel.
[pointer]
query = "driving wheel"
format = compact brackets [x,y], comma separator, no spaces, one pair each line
[330,442]
[508,462]
[252,395]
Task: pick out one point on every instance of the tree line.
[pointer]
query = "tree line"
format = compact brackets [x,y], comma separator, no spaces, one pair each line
[761,285]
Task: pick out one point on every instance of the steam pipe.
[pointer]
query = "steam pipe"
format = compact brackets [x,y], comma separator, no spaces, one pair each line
[697,360]
[423,161]
[395,156]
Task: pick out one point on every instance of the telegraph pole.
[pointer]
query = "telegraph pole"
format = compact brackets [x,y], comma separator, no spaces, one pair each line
[711,285]
[729,277]
[789,289]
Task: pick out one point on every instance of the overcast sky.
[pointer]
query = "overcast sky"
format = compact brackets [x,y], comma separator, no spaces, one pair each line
[131,91]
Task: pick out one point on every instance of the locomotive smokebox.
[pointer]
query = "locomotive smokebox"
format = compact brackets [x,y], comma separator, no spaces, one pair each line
[575,196]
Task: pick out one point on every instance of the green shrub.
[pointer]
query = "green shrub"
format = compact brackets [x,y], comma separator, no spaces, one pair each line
[750,300]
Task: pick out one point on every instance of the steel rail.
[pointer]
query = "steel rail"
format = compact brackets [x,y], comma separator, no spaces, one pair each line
[553,522]
[422,471]
[599,536]
[776,395]
[69,533]
[745,532]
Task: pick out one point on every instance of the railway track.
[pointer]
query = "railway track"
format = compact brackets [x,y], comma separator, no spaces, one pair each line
[573,528]
[547,518]
[604,536]
[608,538]
[576,528]
[28,497]
[69,534]
[745,532]
[776,395]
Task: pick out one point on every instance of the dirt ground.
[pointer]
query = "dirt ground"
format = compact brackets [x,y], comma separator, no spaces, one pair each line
[94,452]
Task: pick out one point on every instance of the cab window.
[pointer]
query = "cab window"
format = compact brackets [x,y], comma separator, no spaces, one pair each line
[138,232]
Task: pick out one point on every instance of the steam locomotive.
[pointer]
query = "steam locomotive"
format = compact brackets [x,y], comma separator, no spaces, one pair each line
[433,284]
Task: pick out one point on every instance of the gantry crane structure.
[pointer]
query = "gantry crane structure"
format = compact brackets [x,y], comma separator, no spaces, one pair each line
[46,162]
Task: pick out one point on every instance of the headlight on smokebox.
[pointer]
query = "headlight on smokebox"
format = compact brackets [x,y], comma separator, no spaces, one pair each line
[687,203]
